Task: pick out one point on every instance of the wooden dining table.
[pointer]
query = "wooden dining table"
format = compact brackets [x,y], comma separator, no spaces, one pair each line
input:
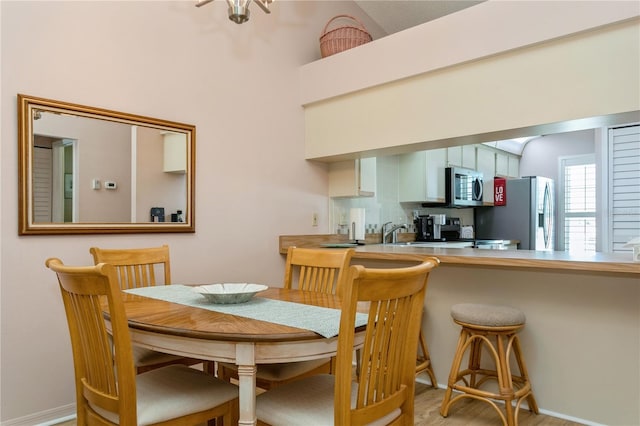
[205,334]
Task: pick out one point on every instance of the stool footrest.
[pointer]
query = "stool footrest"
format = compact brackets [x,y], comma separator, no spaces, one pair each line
[525,390]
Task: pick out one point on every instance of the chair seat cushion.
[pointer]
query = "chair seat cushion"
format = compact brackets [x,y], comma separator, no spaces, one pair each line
[306,402]
[284,371]
[487,315]
[174,391]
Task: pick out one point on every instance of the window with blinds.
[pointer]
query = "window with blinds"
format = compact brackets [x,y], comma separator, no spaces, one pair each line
[579,203]
[624,186]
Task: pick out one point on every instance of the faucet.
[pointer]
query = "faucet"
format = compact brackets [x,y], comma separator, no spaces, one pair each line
[393,231]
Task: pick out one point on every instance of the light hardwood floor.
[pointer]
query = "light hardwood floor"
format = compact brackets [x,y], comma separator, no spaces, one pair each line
[470,412]
[463,413]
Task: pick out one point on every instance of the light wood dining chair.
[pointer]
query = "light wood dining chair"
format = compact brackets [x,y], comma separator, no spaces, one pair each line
[137,267]
[384,391]
[144,267]
[108,390]
[317,270]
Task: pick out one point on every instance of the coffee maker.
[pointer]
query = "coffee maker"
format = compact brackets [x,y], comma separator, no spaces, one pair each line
[451,229]
[437,227]
[424,228]
[428,227]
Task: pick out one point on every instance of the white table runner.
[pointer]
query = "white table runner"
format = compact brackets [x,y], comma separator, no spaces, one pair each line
[324,321]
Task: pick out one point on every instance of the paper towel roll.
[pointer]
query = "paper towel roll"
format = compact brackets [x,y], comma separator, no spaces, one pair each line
[356,224]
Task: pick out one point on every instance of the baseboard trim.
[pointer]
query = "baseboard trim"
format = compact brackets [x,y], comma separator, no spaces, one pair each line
[45,418]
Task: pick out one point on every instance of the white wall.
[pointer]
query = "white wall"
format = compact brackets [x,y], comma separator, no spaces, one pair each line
[581,342]
[155,188]
[590,76]
[540,156]
[239,84]
[486,29]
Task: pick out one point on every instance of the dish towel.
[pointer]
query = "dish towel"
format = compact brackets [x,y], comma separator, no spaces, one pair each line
[324,321]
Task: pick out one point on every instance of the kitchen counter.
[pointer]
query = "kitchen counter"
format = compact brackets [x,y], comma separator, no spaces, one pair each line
[581,338]
[607,263]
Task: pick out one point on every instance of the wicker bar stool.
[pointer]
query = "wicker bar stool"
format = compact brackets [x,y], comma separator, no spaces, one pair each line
[495,328]
[423,360]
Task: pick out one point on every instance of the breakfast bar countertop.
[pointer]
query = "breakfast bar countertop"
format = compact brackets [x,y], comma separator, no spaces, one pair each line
[582,314]
[607,263]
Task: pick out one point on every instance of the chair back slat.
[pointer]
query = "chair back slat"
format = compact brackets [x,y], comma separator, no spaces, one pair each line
[137,267]
[103,365]
[318,270]
[386,381]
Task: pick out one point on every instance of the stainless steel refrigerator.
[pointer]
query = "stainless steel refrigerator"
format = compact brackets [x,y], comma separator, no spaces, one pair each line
[528,215]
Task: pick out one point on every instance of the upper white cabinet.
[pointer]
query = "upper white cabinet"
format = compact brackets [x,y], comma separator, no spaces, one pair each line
[486,163]
[422,176]
[353,178]
[507,165]
[502,164]
[462,156]
[491,163]
[175,153]
[513,166]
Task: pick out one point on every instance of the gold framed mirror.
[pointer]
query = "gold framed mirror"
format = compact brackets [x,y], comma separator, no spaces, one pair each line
[88,170]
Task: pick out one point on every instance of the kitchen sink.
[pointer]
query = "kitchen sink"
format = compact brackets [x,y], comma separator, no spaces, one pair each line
[444,244]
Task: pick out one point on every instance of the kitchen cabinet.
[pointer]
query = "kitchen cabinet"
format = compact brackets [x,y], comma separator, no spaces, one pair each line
[421,176]
[507,165]
[486,163]
[175,153]
[513,166]
[462,156]
[502,164]
[353,178]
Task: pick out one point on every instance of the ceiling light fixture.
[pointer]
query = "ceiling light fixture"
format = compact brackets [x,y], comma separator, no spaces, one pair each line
[239,9]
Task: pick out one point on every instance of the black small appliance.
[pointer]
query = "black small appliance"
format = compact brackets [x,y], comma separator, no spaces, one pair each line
[426,229]
[450,231]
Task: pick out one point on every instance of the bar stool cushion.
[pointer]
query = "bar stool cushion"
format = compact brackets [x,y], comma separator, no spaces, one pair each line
[487,315]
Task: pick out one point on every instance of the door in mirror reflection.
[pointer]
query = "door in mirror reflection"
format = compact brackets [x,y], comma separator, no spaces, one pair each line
[53,184]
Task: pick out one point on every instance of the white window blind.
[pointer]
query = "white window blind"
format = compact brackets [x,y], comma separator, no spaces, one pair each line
[579,203]
[624,186]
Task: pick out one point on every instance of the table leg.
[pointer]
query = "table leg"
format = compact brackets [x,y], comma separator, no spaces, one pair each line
[245,359]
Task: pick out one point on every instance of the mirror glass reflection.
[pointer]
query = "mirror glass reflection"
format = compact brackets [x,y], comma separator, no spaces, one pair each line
[86,169]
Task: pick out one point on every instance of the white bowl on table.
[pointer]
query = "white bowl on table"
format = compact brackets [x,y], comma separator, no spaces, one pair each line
[229,293]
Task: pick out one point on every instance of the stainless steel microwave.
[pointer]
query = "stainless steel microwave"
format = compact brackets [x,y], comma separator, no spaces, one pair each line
[463,187]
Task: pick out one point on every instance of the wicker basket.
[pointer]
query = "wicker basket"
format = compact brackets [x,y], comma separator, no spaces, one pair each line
[344,37]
